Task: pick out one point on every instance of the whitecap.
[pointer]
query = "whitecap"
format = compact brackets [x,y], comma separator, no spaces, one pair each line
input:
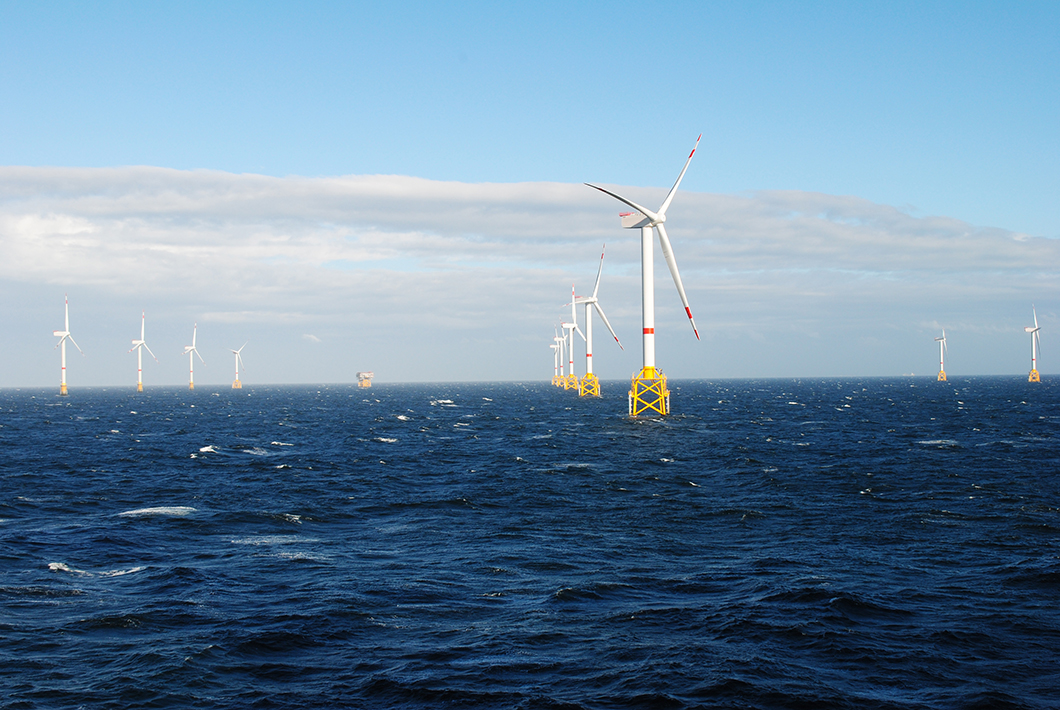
[385,440]
[259,540]
[63,567]
[279,443]
[177,510]
[208,449]
[122,572]
[256,451]
[939,442]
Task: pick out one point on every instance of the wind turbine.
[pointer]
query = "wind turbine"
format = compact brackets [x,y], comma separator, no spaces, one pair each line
[571,328]
[590,384]
[63,336]
[1036,345]
[942,356]
[560,343]
[191,352]
[648,391]
[555,362]
[237,385]
[138,346]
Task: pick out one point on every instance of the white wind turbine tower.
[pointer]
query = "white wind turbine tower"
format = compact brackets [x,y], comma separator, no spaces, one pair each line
[572,327]
[555,361]
[237,385]
[138,346]
[942,355]
[191,352]
[63,336]
[590,384]
[648,392]
[1036,345]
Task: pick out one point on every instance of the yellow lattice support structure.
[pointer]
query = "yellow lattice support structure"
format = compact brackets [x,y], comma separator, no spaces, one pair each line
[237,385]
[557,380]
[1034,377]
[942,375]
[570,382]
[62,389]
[648,393]
[589,386]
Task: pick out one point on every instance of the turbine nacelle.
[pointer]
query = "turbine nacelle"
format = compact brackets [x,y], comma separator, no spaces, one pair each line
[635,220]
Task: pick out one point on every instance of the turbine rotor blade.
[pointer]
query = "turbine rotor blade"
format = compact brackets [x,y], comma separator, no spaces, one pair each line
[604,319]
[149,350]
[668,254]
[673,190]
[644,210]
[71,339]
[600,271]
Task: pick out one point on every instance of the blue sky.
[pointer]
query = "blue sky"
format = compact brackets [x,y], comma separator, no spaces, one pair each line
[942,112]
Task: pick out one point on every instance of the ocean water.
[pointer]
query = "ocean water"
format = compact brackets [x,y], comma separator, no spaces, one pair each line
[872,543]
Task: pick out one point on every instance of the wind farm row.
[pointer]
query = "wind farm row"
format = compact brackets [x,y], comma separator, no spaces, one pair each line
[139,345]
[648,392]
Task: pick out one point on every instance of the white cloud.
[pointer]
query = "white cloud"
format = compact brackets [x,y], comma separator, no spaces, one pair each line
[429,267]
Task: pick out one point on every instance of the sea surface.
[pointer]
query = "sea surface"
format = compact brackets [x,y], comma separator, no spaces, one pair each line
[814,543]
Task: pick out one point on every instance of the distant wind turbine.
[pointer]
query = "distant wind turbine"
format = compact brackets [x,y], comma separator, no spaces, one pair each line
[560,342]
[192,353]
[590,384]
[571,328]
[555,362]
[239,361]
[63,336]
[942,355]
[1036,345]
[138,346]
[648,391]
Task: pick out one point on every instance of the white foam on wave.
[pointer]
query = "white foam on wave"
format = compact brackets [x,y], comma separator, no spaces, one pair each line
[208,449]
[385,440]
[63,567]
[256,451]
[174,510]
[122,572]
[280,443]
[262,540]
[939,442]
[403,418]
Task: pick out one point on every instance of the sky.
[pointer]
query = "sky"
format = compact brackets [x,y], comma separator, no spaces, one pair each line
[399,187]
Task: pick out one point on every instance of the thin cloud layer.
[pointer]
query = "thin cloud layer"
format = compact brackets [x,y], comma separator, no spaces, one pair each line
[492,262]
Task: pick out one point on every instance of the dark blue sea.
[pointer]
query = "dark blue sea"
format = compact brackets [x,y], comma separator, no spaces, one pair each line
[842,543]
